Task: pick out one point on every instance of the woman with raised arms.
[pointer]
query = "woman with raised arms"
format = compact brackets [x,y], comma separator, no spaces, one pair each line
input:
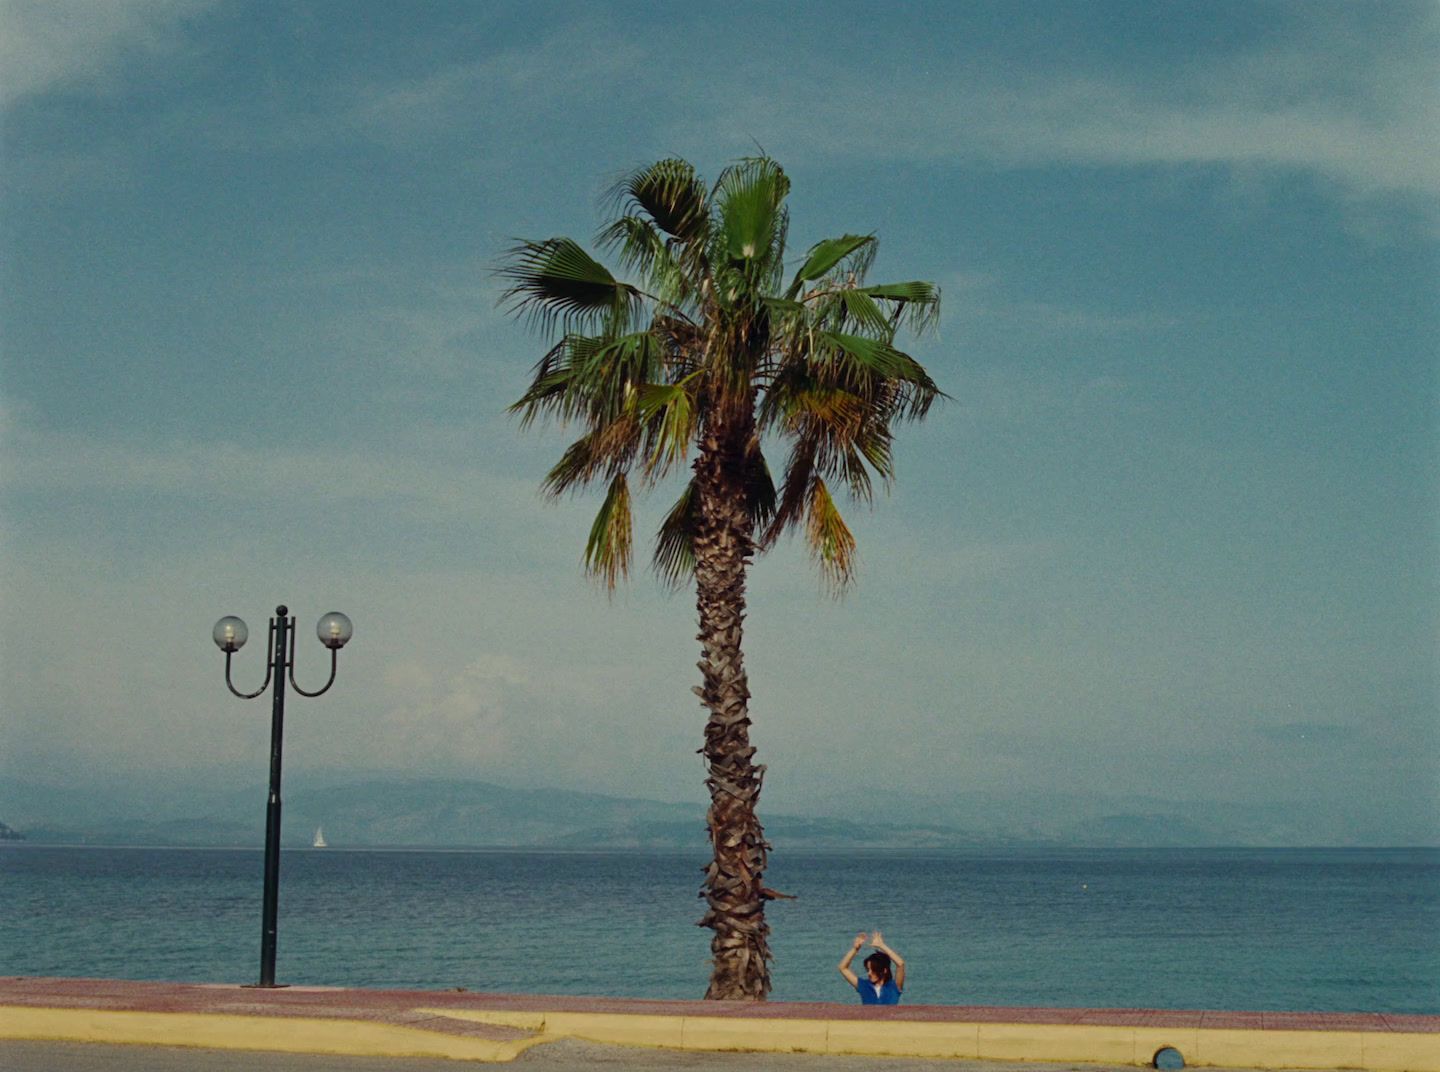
[881,987]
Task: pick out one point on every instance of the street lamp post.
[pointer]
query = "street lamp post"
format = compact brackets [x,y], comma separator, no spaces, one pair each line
[230,634]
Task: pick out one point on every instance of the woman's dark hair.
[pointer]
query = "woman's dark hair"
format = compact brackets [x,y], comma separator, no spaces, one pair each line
[880,964]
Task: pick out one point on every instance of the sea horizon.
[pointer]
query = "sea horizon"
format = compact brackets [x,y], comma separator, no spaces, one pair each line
[1351,929]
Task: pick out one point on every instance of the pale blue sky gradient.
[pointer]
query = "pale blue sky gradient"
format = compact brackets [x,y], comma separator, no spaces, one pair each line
[1175,537]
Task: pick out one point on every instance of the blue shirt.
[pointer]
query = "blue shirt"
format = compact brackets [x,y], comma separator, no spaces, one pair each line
[889,992]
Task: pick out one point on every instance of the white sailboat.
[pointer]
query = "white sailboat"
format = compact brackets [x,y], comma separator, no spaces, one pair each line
[319,842]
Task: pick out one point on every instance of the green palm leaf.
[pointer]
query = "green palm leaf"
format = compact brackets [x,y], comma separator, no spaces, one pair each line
[668,416]
[753,220]
[914,291]
[918,302]
[874,445]
[638,241]
[556,280]
[863,310]
[794,486]
[760,501]
[872,357]
[607,551]
[614,369]
[675,541]
[782,308]
[865,359]
[672,195]
[825,255]
[547,389]
[831,542]
[576,467]
[585,377]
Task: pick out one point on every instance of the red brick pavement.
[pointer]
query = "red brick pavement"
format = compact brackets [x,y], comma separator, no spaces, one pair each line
[399,1007]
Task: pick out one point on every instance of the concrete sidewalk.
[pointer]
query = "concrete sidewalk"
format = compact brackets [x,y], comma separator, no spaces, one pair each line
[498,1027]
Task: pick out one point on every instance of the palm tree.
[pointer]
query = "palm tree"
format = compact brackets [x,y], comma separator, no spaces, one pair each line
[713,350]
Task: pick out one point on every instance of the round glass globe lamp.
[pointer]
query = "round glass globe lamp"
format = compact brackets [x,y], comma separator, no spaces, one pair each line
[230,634]
[334,630]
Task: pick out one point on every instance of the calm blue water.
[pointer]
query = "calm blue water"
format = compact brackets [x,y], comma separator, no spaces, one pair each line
[1315,930]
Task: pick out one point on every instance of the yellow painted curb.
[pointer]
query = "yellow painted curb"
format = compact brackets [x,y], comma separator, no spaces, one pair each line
[352,1038]
[1397,1052]
[1101,1044]
[771,1036]
[1057,1042]
[1282,1049]
[1151,1040]
[878,1038]
[1378,1051]
[525,1021]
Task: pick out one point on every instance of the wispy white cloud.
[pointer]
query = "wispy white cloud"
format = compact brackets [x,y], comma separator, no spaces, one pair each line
[994,307]
[1356,108]
[1219,122]
[439,321]
[57,44]
[465,715]
[509,90]
[1352,108]
[224,471]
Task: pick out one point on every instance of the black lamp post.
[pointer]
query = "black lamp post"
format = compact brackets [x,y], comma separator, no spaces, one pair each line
[230,635]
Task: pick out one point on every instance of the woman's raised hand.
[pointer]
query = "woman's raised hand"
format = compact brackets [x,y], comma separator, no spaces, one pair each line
[861,939]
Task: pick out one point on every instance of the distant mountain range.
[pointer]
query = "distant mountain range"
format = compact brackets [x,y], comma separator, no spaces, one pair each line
[459,813]
[439,813]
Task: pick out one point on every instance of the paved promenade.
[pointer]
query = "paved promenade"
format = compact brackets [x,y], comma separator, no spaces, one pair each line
[499,1027]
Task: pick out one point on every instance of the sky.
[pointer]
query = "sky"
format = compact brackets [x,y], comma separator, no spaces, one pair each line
[1173,537]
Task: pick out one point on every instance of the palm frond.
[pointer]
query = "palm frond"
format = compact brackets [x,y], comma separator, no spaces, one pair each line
[556,281]
[913,291]
[874,445]
[643,249]
[682,344]
[576,468]
[607,551]
[780,308]
[760,501]
[847,434]
[668,415]
[916,303]
[799,393]
[638,242]
[617,442]
[753,221]
[866,359]
[844,428]
[546,390]
[591,378]
[824,256]
[850,467]
[615,369]
[794,487]
[671,194]
[675,541]
[607,449]
[870,357]
[831,542]
[863,310]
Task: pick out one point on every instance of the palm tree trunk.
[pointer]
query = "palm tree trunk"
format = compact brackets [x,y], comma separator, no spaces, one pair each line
[740,947]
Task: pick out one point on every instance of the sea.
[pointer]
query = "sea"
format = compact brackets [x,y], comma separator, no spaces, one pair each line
[1332,930]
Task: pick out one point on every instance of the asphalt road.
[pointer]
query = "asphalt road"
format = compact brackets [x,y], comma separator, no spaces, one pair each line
[563,1055]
